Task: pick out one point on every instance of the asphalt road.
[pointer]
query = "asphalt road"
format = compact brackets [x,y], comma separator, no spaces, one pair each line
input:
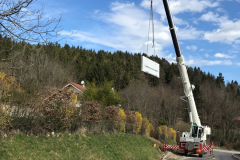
[218,155]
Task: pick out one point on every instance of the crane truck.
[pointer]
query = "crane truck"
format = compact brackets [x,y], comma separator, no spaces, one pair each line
[195,140]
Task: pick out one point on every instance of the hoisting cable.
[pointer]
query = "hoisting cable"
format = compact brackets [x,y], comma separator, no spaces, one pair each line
[151,19]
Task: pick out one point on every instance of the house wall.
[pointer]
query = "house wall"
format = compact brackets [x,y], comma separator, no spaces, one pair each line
[71,88]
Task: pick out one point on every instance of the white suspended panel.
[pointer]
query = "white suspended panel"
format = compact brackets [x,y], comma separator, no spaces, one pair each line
[150,67]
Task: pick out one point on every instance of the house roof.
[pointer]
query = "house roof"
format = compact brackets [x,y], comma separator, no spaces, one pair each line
[237,118]
[75,85]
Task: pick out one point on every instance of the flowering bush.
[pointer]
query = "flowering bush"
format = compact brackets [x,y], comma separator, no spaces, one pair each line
[139,122]
[172,132]
[7,84]
[167,133]
[122,120]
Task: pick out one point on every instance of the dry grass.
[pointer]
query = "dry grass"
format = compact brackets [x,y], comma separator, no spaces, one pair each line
[81,131]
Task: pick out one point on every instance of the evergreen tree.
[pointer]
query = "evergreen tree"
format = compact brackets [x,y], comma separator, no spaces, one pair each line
[220,80]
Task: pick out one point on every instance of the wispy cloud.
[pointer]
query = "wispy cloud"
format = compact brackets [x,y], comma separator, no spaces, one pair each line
[195,21]
[211,17]
[189,33]
[171,59]
[126,28]
[96,11]
[180,21]
[193,48]
[201,62]
[115,6]
[180,6]
[221,10]
[228,31]
[220,55]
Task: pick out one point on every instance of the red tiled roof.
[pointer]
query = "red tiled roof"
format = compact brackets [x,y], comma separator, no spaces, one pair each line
[237,118]
[78,86]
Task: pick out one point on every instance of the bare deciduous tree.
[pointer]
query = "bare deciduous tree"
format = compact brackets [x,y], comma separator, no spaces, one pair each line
[154,102]
[20,22]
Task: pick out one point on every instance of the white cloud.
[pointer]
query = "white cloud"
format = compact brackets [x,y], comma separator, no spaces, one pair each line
[201,49]
[238,64]
[96,11]
[229,0]
[224,0]
[193,48]
[179,21]
[188,33]
[228,32]
[220,55]
[211,17]
[118,6]
[201,62]
[195,21]
[180,6]
[206,55]
[170,58]
[126,28]
[88,37]
[221,10]
[24,10]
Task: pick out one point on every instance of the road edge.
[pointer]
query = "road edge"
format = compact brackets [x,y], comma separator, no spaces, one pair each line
[236,157]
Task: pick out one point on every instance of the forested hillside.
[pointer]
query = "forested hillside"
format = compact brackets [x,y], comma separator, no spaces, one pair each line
[40,68]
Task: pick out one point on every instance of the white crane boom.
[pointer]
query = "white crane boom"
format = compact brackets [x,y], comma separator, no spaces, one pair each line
[193,114]
[195,140]
[197,132]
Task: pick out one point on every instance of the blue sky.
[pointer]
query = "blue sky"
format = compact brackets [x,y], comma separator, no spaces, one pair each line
[208,30]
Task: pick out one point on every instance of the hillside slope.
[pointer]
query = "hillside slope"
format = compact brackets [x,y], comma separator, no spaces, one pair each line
[90,147]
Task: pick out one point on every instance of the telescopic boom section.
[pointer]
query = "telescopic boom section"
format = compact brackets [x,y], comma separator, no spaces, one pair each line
[172,29]
[193,115]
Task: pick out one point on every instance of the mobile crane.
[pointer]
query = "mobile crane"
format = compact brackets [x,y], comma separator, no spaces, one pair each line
[195,140]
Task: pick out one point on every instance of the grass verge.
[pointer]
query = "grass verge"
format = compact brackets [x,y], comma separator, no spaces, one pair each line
[79,147]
